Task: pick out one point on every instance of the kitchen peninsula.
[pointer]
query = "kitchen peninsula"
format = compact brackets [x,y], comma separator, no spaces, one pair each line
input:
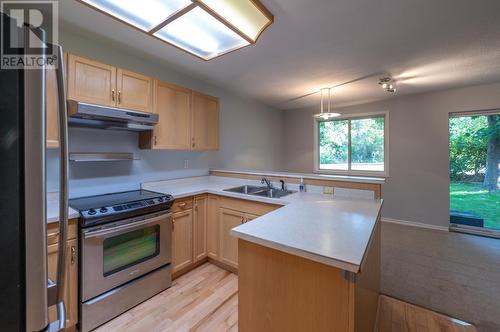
[310,261]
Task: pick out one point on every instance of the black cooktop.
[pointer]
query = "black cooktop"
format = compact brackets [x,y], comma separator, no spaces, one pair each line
[100,209]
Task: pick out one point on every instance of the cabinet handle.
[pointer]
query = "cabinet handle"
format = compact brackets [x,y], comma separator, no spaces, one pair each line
[119,96]
[113,94]
[155,141]
[173,224]
[183,204]
[242,220]
[73,254]
[193,145]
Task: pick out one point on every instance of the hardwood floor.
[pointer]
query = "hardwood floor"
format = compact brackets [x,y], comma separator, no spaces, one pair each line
[204,299]
[399,316]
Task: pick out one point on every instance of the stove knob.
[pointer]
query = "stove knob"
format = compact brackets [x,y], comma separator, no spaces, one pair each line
[160,199]
[92,212]
[103,210]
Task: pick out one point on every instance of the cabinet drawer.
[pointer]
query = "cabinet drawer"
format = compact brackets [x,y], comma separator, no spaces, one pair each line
[182,204]
[53,231]
[247,206]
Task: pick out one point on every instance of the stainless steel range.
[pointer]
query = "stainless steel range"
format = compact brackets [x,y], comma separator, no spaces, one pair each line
[125,252]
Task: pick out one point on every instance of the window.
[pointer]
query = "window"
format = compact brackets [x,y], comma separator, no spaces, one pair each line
[354,145]
[474,152]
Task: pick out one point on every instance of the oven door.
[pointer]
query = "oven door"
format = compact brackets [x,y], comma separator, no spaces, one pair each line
[116,253]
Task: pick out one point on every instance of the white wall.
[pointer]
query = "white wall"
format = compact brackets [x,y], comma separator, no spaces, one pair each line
[250,133]
[418,185]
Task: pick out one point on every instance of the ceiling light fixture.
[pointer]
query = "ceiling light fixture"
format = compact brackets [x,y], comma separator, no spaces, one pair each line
[325,105]
[204,28]
[388,84]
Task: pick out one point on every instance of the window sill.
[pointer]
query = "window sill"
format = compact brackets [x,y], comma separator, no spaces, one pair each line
[486,232]
[353,173]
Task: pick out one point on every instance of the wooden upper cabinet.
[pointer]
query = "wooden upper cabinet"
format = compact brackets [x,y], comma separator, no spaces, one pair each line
[91,81]
[134,91]
[51,106]
[173,131]
[205,122]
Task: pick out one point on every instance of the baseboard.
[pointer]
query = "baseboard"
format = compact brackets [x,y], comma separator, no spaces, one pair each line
[415,224]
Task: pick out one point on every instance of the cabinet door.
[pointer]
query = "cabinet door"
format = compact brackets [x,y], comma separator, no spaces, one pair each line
[200,227]
[173,130]
[91,81]
[213,227]
[51,106]
[250,217]
[182,239]
[71,281]
[135,91]
[205,122]
[229,244]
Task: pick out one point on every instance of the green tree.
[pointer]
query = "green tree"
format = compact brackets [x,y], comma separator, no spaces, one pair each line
[492,133]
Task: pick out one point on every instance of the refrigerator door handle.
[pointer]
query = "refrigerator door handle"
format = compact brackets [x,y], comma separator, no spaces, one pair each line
[63,197]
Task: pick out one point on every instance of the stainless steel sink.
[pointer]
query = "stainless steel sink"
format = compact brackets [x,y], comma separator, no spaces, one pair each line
[260,191]
[274,193]
[246,189]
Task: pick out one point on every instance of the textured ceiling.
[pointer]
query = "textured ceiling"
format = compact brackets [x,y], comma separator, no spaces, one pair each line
[425,44]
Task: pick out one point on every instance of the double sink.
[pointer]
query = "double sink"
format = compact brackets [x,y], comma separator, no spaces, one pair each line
[261,191]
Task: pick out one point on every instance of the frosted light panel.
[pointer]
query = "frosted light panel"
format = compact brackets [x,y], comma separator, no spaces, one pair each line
[242,14]
[143,14]
[200,33]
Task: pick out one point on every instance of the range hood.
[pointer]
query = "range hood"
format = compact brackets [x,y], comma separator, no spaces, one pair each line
[107,117]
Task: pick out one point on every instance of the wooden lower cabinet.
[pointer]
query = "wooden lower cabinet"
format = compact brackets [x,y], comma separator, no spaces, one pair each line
[71,282]
[213,227]
[229,219]
[182,240]
[200,227]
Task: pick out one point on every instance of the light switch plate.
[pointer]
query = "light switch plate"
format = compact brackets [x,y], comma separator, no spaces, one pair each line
[328,190]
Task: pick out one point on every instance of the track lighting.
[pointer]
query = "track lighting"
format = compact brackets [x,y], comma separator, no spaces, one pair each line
[388,84]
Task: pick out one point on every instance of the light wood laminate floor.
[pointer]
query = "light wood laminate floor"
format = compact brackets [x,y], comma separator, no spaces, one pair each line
[206,299]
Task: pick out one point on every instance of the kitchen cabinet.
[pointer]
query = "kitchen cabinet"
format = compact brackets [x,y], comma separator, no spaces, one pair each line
[134,91]
[213,227]
[71,281]
[51,106]
[205,122]
[200,227]
[90,81]
[182,239]
[229,219]
[173,130]
[93,82]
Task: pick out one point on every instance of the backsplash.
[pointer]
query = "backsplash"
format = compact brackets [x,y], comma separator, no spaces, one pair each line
[91,178]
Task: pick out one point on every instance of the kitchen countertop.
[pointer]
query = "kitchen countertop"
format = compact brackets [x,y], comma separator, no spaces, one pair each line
[322,228]
[53,209]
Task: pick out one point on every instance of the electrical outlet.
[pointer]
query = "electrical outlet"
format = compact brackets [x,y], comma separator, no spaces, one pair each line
[186,163]
[328,190]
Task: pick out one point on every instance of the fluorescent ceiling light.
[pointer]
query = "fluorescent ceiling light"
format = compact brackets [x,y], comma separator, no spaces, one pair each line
[200,33]
[205,28]
[248,17]
[143,14]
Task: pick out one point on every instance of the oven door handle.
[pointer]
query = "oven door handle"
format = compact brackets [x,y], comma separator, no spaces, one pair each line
[131,225]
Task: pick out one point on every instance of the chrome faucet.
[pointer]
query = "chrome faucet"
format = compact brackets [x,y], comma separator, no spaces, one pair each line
[267,182]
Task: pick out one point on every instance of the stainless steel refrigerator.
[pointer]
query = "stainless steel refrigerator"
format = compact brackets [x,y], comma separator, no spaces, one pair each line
[25,290]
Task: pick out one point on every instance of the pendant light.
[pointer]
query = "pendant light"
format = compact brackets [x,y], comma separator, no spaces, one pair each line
[325,106]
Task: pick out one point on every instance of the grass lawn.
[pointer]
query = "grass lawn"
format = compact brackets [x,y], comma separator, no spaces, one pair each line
[471,197]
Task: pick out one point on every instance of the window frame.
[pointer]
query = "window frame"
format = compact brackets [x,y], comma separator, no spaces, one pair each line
[353,116]
[458,228]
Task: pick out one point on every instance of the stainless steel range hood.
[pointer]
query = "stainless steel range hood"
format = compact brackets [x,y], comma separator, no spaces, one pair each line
[107,117]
